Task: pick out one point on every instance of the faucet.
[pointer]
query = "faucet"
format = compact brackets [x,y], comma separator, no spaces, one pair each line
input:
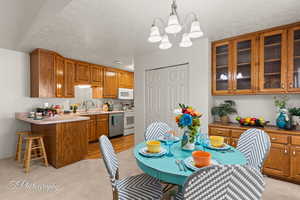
[85,104]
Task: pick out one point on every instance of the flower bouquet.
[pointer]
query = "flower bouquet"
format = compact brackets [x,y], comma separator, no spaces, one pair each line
[188,119]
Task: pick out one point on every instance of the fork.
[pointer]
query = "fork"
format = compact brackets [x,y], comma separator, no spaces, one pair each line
[178,164]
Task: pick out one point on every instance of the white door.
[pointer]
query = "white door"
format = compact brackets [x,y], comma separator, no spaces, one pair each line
[165,89]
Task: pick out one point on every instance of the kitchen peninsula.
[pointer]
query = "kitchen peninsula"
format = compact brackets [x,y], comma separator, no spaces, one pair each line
[65,137]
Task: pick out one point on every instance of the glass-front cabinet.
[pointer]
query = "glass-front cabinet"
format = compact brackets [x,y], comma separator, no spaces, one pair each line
[244,63]
[221,78]
[273,62]
[294,59]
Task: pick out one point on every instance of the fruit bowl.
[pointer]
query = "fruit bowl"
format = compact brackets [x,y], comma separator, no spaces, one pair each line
[252,121]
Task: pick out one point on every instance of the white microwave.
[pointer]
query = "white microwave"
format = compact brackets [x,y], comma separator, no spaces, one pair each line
[125,93]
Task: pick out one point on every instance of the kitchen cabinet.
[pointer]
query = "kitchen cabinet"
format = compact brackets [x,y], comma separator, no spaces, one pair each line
[264,62]
[294,59]
[98,125]
[69,78]
[60,76]
[273,62]
[111,83]
[283,160]
[222,68]
[126,79]
[244,65]
[83,74]
[42,74]
[96,75]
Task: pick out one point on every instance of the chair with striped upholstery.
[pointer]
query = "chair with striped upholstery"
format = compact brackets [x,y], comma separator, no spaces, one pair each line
[255,145]
[223,182]
[131,188]
[156,129]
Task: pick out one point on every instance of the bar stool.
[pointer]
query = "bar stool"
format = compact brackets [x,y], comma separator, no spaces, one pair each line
[35,150]
[19,150]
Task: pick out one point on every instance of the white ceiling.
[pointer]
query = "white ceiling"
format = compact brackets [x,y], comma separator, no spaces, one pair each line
[101,31]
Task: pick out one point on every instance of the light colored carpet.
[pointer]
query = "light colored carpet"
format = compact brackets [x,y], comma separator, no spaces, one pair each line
[88,180]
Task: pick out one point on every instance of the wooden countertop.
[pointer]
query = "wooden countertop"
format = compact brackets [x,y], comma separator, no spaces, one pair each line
[270,128]
[64,118]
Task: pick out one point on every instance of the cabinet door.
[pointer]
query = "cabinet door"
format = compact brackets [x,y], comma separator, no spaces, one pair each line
[244,65]
[59,75]
[96,75]
[126,79]
[278,162]
[294,60]
[102,125]
[295,162]
[273,61]
[221,68]
[110,89]
[92,135]
[69,78]
[83,74]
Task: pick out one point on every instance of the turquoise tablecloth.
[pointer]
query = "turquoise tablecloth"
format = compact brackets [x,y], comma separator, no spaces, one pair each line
[165,168]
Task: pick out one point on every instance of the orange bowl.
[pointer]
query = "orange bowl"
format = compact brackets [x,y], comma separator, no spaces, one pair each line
[201,158]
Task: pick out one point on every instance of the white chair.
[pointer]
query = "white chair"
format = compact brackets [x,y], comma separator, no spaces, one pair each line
[139,187]
[223,182]
[155,130]
[255,145]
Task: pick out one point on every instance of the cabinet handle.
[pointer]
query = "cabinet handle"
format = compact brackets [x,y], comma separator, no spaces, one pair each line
[291,85]
[294,153]
[273,139]
[282,85]
[285,151]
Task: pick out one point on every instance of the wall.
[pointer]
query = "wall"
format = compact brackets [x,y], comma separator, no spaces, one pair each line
[257,105]
[198,57]
[15,91]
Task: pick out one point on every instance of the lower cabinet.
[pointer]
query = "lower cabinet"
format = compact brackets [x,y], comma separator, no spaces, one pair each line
[98,125]
[283,160]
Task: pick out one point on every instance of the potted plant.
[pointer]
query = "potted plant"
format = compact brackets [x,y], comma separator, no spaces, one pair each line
[224,110]
[295,113]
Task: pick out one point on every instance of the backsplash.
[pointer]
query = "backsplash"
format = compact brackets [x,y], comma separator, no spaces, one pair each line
[257,105]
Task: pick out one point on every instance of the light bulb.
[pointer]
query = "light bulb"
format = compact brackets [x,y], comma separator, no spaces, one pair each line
[154,35]
[186,41]
[165,43]
[196,31]
[173,25]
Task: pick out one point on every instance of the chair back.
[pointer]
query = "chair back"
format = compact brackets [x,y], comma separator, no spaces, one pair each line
[226,182]
[109,158]
[155,130]
[255,145]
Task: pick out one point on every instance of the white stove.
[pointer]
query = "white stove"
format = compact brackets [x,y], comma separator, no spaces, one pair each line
[128,122]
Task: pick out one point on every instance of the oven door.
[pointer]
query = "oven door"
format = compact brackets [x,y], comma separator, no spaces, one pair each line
[125,93]
[129,121]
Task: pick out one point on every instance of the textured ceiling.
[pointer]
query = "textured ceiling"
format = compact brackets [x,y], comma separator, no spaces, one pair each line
[101,31]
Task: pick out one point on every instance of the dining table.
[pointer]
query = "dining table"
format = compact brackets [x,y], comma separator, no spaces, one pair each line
[167,170]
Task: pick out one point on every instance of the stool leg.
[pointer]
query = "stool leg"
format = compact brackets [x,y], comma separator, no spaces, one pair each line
[44,152]
[19,148]
[28,156]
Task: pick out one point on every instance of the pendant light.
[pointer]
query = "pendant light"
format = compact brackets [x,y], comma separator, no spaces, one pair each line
[186,41]
[196,31]
[154,34]
[165,43]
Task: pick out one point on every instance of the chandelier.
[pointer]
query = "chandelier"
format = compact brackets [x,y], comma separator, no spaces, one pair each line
[190,27]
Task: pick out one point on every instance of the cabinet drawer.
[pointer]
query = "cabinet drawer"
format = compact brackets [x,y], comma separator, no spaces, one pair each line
[281,139]
[220,131]
[296,140]
[236,133]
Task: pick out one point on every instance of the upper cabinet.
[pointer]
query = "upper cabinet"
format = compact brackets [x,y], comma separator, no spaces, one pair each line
[83,74]
[111,84]
[69,78]
[126,79]
[294,59]
[273,62]
[221,70]
[42,74]
[244,65]
[265,62]
[96,75]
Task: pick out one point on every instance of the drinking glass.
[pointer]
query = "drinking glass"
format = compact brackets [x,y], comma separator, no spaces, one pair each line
[170,140]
